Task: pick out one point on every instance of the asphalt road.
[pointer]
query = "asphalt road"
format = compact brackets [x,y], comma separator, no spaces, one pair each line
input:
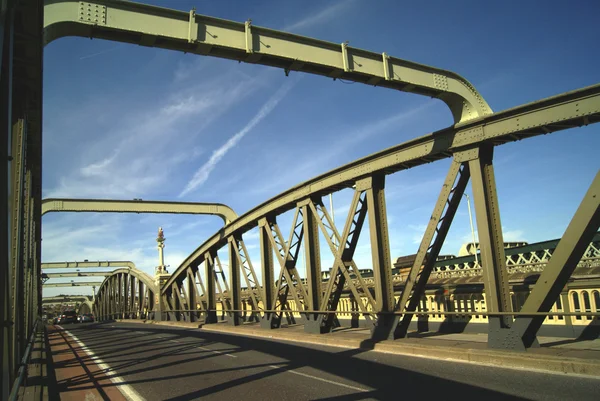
[170,363]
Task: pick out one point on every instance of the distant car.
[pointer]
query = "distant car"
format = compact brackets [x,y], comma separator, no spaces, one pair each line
[68,317]
[87,318]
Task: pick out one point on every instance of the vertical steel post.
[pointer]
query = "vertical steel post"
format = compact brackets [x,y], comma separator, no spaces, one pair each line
[133,313]
[125,305]
[380,251]
[19,336]
[191,291]
[436,231]
[312,257]
[266,258]
[493,260]
[6,71]
[27,268]
[211,295]
[141,291]
[556,274]
[235,287]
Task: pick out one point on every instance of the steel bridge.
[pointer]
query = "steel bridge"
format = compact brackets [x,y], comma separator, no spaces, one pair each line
[28,25]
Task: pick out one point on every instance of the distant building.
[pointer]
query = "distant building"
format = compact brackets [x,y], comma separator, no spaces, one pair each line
[469,248]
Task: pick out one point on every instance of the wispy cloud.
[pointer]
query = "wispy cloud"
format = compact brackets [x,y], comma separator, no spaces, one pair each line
[136,163]
[203,172]
[320,17]
[328,157]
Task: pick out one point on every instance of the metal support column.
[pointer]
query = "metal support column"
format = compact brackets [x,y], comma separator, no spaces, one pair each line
[235,287]
[495,275]
[436,231]
[19,337]
[380,252]
[125,305]
[568,252]
[312,258]
[191,294]
[6,323]
[210,295]
[268,281]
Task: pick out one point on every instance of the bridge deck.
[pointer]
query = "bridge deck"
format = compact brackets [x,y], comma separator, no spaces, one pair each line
[151,361]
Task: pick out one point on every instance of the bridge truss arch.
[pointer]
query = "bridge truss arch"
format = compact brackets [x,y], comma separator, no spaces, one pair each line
[146,25]
[137,206]
[470,143]
[126,294]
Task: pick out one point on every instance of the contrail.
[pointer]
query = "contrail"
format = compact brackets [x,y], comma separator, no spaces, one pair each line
[203,172]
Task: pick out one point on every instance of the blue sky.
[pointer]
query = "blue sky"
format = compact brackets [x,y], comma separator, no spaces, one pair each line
[124,121]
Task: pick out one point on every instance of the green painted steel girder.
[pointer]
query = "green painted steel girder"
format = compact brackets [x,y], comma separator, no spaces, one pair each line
[86,264]
[137,206]
[76,274]
[75,284]
[58,300]
[567,110]
[140,275]
[146,25]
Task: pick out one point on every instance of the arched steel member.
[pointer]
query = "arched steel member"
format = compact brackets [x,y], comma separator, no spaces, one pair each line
[146,25]
[75,284]
[84,301]
[75,274]
[471,148]
[127,294]
[87,264]
[137,206]
[65,298]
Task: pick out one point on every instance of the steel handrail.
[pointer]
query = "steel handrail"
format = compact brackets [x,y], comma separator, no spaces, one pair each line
[23,369]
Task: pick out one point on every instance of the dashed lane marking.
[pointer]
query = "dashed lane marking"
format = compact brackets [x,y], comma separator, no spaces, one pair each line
[321,379]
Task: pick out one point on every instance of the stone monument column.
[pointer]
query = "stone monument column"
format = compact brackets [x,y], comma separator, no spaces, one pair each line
[161,275]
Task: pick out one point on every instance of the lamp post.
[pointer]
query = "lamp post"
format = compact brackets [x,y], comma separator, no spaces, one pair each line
[472,229]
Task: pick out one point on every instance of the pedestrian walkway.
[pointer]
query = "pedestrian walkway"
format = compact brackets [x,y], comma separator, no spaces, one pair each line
[78,376]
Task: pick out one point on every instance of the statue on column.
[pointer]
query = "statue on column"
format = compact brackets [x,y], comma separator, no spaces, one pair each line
[160,239]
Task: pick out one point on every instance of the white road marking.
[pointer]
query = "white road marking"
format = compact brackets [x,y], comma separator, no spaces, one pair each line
[289,371]
[125,389]
[321,379]
[208,349]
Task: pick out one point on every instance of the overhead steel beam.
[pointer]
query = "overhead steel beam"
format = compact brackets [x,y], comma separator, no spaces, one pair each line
[193,33]
[568,110]
[48,300]
[86,264]
[137,206]
[140,275]
[76,274]
[75,284]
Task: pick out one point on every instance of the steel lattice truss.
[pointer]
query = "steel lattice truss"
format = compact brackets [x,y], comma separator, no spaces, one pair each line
[469,143]
[127,294]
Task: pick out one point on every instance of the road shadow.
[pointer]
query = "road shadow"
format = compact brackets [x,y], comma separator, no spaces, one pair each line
[138,365]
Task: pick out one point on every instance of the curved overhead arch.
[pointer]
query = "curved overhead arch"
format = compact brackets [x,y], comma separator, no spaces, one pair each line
[127,293]
[142,276]
[75,274]
[568,110]
[74,284]
[88,264]
[193,33]
[84,301]
[137,206]
[57,300]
